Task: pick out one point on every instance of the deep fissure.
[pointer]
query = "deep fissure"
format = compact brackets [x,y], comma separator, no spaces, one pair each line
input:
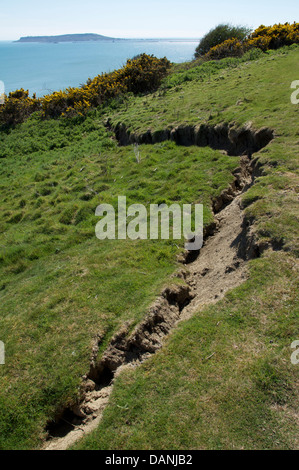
[133,347]
[235,141]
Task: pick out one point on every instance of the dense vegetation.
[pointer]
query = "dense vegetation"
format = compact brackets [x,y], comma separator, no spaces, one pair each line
[246,395]
[264,38]
[60,286]
[219,34]
[142,74]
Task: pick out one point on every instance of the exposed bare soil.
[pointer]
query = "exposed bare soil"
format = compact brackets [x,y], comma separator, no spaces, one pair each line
[219,267]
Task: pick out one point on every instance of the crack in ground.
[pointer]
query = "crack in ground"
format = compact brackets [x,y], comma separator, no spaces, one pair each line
[229,244]
[235,141]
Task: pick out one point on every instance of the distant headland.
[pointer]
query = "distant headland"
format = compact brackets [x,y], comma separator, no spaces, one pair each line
[67,38]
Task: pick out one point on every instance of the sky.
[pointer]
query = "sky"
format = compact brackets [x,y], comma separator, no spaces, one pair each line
[137,19]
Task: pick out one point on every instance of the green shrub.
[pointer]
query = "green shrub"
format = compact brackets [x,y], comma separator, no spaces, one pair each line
[140,75]
[260,42]
[263,38]
[275,36]
[17,107]
[144,74]
[229,48]
[218,35]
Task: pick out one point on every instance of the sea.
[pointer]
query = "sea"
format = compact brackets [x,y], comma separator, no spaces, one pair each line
[43,68]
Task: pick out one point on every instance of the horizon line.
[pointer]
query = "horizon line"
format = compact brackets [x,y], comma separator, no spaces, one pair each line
[108,38]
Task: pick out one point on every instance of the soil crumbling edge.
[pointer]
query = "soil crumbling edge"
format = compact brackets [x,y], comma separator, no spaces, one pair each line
[130,348]
[235,141]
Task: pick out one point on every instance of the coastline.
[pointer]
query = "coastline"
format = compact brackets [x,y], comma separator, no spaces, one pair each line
[44,67]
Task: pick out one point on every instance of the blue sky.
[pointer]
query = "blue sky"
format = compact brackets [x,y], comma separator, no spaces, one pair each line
[133,18]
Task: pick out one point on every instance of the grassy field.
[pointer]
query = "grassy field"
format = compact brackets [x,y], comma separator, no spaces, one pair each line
[242,92]
[243,397]
[61,286]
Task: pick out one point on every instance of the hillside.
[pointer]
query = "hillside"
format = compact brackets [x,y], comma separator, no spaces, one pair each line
[212,330]
[66,38]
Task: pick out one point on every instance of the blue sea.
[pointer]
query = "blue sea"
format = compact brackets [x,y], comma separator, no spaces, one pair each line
[43,68]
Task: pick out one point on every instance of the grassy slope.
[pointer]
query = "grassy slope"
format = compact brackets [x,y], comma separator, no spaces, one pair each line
[257,92]
[246,394]
[60,286]
[243,397]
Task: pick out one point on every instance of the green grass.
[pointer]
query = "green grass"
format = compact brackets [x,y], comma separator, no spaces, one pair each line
[231,91]
[223,380]
[255,91]
[60,286]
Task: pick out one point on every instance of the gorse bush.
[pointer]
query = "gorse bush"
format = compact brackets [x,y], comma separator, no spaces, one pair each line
[17,107]
[142,74]
[218,35]
[264,38]
[68,102]
[228,48]
[276,36]
[145,73]
[259,42]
